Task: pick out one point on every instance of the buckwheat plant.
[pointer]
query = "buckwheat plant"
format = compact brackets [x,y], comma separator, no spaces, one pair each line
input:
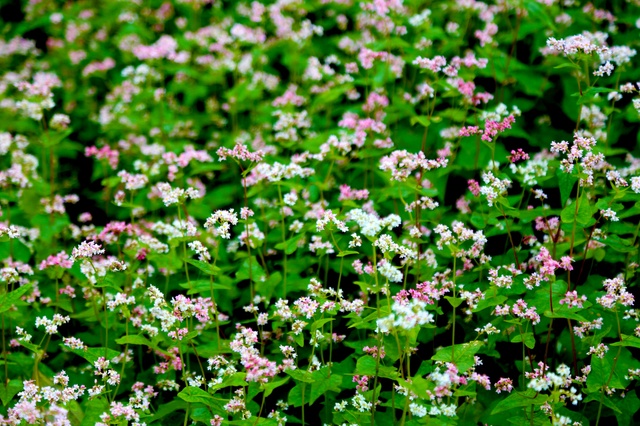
[320,212]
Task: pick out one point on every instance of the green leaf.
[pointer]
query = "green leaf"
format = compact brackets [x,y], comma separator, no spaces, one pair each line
[627,340]
[369,366]
[109,282]
[324,381]
[366,366]
[7,300]
[564,312]
[92,354]
[298,338]
[291,245]
[462,355]
[610,371]
[256,270]
[454,301]
[582,216]
[30,346]
[567,65]
[425,121]
[235,380]
[50,139]
[205,267]
[566,182]
[135,339]
[346,253]
[489,302]
[316,325]
[529,339]
[618,244]
[94,408]
[301,376]
[295,395]
[271,386]
[518,400]
[204,286]
[168,408]
[9,390]
[267,287]
[538,13]
[606,401]
[193,394]
[628,407]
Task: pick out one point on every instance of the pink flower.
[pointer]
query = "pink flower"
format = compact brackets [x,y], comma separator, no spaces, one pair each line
[504,385]
[518,155]
[239,153]
[61,259]
[87,249]
[474,187]
[572,300]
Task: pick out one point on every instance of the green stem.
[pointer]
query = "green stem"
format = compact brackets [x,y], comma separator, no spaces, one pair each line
[284,238]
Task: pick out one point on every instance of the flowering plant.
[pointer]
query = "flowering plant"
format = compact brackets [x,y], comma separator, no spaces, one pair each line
[319,212]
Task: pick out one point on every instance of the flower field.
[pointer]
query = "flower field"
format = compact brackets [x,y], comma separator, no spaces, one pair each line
[319,212]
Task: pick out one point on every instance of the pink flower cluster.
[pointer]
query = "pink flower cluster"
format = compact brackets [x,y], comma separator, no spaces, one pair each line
[105,153]
[401,164]
[348,193]
[97,66]
[240,152]
[491,128]
[258,368]
[61,259]
[520,309]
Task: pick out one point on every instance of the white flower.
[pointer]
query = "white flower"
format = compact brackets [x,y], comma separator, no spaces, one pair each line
[360,403]
[225,218]
[609,214]
[87,249]
[418,410]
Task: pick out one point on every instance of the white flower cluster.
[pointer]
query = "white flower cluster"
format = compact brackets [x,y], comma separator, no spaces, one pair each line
[401,164]
[604,69]
[119,299]
[609,214]
[575,44]
[459,235]
[501,112]
[405,315]
[276,172]
[225,218]
[581,149]
[59,121]
[386,245]
[443,410]
[370,224]
[11,231]
[288,125]
[423,202]
[172,196]
[616,293]
[360,403]
[87,249]
[133,181]
[51,325]
[327,217]
[202,251]
[561,379]
[177,229]
[618,54]
[252,235]
[165,316]
[494,187]
[390,272]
